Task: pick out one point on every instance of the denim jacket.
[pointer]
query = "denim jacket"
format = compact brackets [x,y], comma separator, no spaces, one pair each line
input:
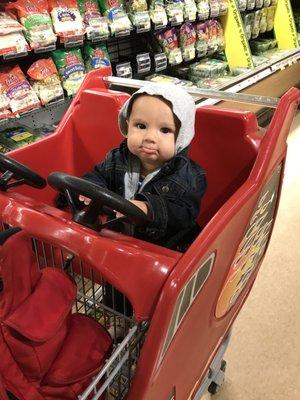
[173,194]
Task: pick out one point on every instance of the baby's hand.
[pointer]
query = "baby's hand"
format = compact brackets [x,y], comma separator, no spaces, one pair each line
[85,200]
[140,204]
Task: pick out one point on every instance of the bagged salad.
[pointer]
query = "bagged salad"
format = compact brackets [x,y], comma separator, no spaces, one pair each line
[189,10]
[117,18]
[96,26]
[188,36]
[18,90]
[70,68]
[66,18]
[4,104]
[13,43]
[169,41]
[158,13]
[175,10]
[36,20]
[45,80]
[139,15]
[96,57]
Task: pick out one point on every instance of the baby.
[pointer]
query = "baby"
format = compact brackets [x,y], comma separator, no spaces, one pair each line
[151,167]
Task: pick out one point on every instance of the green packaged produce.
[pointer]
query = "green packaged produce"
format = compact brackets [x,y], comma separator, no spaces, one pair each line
[96,26]
[71,69]
[19,136]
[96,57]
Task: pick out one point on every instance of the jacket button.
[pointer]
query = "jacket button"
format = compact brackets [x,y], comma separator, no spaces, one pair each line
[165,189]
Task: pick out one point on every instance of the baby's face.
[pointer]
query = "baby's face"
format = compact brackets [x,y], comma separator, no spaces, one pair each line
[151,132]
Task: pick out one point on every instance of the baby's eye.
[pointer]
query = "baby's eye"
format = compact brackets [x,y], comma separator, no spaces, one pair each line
[140,126]
[166,130]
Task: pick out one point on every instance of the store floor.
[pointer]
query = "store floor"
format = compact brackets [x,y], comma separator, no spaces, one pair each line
[263,358]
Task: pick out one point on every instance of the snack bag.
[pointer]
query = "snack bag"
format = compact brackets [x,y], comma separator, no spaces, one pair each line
[95,25]
[66,19]
[96,57]
[18,90]
[36,20]
[45,80]
[158,13]
[70,68]
[13,43]
[188,36]
[8,24]
[117,17]
[168,39]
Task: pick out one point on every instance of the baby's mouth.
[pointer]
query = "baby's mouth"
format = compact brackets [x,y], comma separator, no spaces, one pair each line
[148,150]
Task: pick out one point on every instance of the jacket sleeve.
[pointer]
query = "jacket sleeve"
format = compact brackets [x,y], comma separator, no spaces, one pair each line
[174,211]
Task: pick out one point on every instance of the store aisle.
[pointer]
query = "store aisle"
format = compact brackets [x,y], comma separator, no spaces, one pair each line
[263,359]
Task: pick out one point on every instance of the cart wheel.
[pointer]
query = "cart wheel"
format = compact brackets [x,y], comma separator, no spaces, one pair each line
[11,396]
[214,387]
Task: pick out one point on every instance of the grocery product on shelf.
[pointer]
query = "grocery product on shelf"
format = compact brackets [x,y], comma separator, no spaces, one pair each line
[187,35]
[96,26]
[36,21]
[169,41]
[189,10]
[45,80]
[71,69]
[8,24]
[67,20]
[118,19]
[158,14]
[13,43]
[17,136]
[139,15]
[175,10]
[96,56]
[18,90]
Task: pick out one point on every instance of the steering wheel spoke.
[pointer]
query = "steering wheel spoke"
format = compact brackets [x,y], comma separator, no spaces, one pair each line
[22,175]
[102,201]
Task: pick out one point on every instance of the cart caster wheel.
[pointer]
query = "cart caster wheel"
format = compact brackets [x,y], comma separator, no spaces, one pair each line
[213,388]
[223,365]
[11,396]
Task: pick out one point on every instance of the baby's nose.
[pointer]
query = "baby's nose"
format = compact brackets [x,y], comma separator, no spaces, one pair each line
[150,135]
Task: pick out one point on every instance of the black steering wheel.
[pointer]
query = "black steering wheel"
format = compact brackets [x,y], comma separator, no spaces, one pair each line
[103,201]
[21,174]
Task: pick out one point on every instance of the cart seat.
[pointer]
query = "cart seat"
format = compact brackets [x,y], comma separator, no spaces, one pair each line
[226,145]
[48,343]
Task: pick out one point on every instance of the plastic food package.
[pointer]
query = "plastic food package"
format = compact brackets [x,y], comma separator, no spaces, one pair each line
[8,24]
[160,78]
[223,7]
[242,5]
[202,39]
[66,19]
[187,34]
[139,15]
[18,90]
[119,21]
[96,57]
[259,3]
[36,20]
[96,26]
[250,5]
[13,43]
[203,9]
[208,68]
[168,39]
[189,10]
[157,13]
[70,68]
[270,18]
[16,137]
[4,105]
[174,10]
[45,80]
[248,22]
[214,6]
[256,24]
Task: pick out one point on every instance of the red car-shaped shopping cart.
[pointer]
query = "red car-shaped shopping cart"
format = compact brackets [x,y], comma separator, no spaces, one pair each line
[61,337]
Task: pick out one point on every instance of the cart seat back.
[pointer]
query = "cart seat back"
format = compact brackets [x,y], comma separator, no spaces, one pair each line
[225,145]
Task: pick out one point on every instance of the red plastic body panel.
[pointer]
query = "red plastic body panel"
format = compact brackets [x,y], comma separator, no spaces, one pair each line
[239,162]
